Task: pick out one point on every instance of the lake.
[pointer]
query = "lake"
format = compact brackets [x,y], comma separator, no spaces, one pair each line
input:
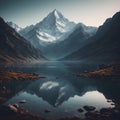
[61,93]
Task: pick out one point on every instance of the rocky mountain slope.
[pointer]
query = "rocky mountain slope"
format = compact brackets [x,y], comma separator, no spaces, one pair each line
[105,46]
[14,48]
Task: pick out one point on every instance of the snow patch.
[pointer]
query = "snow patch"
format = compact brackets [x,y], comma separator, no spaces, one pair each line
[45,36]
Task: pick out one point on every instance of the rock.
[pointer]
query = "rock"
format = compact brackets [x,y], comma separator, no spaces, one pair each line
[47,111]
[89,108]
[13,108]
[80,110]
[109,100]
[113,104]
[16,105]
[23,101]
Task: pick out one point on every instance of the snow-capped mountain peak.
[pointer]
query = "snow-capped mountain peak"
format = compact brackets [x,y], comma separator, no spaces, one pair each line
[54,27]
[57,14]
[56,23]
[57,33]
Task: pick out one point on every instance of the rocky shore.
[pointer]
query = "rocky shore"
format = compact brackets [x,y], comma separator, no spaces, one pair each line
[103,114]
[11,75]
[15,112]
[109,71]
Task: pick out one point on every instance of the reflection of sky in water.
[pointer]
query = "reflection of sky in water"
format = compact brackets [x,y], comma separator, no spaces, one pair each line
[93,98]
[37,105]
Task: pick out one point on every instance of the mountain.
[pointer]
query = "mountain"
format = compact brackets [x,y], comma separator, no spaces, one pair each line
[57,33]
[77,39]
[14,26]
[52,28]
[26,30]
[14,48]
[105,46]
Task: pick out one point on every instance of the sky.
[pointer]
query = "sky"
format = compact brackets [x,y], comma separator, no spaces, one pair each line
[89,12]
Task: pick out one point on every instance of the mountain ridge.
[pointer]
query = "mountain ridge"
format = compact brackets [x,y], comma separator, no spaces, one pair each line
[106,44]
[48,35]
[15,26]
[57,33]
[14,48]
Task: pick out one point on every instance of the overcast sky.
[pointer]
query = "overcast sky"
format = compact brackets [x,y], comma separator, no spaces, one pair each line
[89,12]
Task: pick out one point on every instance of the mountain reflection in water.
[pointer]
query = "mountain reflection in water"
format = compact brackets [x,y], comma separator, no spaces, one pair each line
[62,92]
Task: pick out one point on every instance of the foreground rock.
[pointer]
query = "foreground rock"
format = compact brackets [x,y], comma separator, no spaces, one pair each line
[103,114]
[80,110]
[47,111]
[89,108]
[15,112]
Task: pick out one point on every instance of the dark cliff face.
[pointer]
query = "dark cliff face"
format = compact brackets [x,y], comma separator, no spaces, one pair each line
[13,46]
[105,46]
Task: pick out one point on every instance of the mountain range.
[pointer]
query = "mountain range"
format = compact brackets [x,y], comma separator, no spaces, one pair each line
[57,38]
[57,33]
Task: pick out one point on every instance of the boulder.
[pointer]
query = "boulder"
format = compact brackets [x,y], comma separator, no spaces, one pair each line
[80,110]
[89,108]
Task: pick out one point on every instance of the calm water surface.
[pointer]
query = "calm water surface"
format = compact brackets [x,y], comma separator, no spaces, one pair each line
[61,92]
